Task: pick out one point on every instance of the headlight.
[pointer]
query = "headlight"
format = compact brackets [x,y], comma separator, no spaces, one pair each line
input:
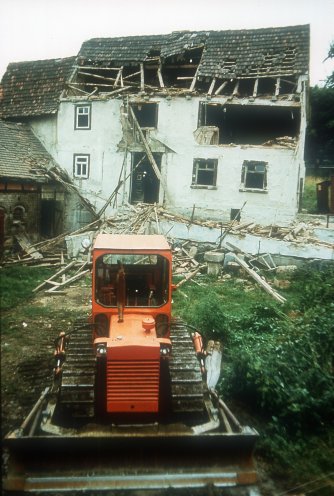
[101,349]
[165,350]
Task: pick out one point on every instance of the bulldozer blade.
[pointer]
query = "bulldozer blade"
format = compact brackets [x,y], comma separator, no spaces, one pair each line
[213,368]
[133,458]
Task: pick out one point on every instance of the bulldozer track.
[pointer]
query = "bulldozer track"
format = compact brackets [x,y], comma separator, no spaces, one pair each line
[187,385]
[77,398]
[78,375]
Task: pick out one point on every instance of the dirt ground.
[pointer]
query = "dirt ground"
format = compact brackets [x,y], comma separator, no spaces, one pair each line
[27,349]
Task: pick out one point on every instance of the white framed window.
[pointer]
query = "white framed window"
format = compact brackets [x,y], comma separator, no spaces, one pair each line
[81,166]
[204,173]
[82,116]
[254,176]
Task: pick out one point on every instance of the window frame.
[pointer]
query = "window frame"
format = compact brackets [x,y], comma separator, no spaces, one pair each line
[77,156]
[77,115]
[197,167]
[245,171]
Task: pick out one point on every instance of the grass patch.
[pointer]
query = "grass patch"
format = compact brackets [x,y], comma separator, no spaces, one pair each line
[17,283]
[309,199]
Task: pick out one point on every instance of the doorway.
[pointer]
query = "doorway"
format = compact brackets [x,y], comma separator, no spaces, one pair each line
[144,183]
[51,215]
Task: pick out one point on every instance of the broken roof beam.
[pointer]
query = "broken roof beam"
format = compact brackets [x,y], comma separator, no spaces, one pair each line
[212,85]
[77,89]
[142,78]
[192,86]
[95,67]
[119,77]
[236,88]
[221,87]
[256,85]
[161,81]
[93,84]
[97,76]
[149,152]
[299,84]
[129,76]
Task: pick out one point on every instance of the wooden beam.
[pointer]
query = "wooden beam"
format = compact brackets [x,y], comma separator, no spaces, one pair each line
[212,85]
[93,84]
[77,89]
[118,76]
[132,75]
[149,152]
[97,76]
[161,82]
[236,88]
[94,67]
[259,279]
[192,86]
[142,80]
[221,87]
[256,85]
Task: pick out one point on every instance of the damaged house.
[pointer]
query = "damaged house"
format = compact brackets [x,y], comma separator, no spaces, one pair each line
[208,123]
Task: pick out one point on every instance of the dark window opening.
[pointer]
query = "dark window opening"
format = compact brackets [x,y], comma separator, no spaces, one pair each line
[254,175]
[144,182]
[204,172]
[250,124]
[146,114]
[235,214]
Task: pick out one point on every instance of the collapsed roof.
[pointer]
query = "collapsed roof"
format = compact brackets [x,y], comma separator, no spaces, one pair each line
[229,62]
[234,53]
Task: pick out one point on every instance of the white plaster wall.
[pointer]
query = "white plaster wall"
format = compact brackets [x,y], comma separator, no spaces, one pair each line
[177,121]
[45,128]
[100,142]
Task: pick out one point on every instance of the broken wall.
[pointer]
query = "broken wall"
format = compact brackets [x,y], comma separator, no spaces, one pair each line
[109,144]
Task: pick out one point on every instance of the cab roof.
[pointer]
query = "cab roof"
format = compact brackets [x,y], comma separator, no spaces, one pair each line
[133,242]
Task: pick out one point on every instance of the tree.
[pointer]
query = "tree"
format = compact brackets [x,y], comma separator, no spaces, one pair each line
[330,80]
[319,150]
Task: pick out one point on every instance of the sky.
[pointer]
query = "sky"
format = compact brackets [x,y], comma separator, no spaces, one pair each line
[46,29]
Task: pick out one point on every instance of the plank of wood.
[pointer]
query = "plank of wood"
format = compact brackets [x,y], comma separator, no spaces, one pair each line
[189,276]
[25,244]
[68,281]
[57,274]
[260,280]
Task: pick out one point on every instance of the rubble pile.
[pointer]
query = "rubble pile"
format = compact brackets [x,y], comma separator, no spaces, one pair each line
[70,252]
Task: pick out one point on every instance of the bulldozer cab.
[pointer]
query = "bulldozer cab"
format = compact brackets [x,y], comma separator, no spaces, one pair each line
[139,280]
[131,271]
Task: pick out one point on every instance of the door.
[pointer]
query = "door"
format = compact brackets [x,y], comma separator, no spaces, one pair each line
[51,218]
[144,184]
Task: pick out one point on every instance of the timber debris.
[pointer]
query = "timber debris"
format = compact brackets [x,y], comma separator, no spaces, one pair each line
[188,256]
